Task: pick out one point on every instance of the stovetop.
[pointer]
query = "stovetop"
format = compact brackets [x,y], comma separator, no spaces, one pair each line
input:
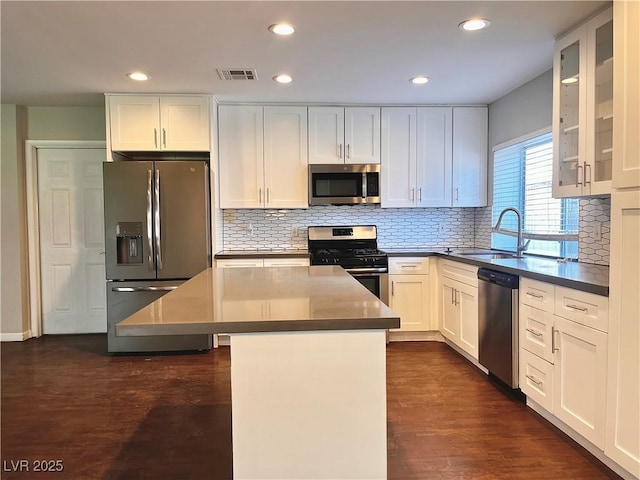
[347,246]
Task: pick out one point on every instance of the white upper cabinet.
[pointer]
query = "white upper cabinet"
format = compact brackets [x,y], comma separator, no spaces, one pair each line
[344,135]
[241,159]
[263,156]
[398,178]
[470,137]
[159,123]
[285,157]
[626,131]
[434,156]
[583,109]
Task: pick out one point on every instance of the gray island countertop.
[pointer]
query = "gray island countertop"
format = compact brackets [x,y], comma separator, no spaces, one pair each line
[281,299]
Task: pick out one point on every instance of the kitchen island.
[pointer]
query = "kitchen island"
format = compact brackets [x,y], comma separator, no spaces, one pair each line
[308,369]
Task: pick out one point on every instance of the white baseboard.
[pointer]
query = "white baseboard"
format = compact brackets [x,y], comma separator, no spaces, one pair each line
[430,336]
[586,444]
[15,337]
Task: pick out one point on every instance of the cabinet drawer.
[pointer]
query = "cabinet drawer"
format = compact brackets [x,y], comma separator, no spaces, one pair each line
[409,265]
[536,379]
[239,262]
[286,262]
[460,271]
[537,294]
[536,330]
[583,307]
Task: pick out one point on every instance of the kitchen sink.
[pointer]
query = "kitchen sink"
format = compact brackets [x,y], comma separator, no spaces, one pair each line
[489,255]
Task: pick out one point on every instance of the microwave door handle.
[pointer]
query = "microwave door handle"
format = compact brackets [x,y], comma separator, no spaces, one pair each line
[364,185]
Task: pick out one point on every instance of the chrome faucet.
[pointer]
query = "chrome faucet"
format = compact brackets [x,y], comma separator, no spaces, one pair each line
[521,246]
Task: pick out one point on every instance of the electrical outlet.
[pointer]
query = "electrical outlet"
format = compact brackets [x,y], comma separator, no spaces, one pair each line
[441,227]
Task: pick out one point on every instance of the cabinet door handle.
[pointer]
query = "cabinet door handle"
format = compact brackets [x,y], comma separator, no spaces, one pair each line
[420,194]
[260,195]
[268,195]
[533,332]
[393,290]
[533,379]
[164,138]
[578,169]
[340,151]
[348,151]
[553,340]
[457,194]
[413,194]
[452,296]
[534,295]
[585,174]
[580,309]
[456,297]
[155,137]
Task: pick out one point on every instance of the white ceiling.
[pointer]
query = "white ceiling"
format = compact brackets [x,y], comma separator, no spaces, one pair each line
[70,53]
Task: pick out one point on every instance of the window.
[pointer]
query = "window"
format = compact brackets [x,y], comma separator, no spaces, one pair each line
[522,178]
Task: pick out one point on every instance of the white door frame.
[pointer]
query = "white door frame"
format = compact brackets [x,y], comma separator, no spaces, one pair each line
[33,221]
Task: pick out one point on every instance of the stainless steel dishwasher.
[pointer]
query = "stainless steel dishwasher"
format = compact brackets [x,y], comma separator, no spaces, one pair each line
[498,324]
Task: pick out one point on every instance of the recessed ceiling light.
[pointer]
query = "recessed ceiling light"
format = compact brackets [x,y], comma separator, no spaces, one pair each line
[139,76]
[419,80]
[283,78]
[474,24]
[569,80]
[282,29]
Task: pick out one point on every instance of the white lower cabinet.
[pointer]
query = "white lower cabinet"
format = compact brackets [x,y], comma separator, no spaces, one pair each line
[261,262]
[409,295]
[580,379]
[563,361]
[459,304]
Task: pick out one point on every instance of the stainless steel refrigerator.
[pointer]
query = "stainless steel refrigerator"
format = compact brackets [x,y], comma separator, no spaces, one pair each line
[157,236]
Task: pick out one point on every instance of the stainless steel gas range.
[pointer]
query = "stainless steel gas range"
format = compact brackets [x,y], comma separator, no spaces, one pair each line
[354,248]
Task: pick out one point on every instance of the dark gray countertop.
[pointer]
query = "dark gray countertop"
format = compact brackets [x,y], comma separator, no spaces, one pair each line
[262,253]
[580,276]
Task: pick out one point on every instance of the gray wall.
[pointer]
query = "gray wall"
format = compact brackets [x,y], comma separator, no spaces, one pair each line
[20,124]
[13,245]
[524,110]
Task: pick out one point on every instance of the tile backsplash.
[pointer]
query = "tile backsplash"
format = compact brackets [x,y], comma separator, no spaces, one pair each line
[433,228]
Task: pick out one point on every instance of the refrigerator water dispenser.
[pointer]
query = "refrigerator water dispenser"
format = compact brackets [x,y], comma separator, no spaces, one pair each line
[129,242]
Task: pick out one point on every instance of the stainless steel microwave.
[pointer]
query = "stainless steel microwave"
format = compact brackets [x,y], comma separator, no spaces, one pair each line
[344,184]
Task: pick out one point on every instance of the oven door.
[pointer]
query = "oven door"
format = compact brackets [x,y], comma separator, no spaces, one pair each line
[376,283]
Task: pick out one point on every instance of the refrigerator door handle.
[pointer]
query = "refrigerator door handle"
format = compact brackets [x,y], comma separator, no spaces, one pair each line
[157,221]
[149,221]
[144,289]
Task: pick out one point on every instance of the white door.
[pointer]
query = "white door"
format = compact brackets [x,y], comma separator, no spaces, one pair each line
[433,163]
[134,122]
[71,215]
[470,126]
[184,122]
[450,311]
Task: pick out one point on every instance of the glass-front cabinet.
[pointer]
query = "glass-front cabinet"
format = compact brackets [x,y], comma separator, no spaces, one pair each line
[583,109]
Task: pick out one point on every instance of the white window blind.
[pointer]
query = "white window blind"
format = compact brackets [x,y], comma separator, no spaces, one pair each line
[522,178]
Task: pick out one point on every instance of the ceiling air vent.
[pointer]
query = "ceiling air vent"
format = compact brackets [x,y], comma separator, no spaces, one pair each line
[237,74]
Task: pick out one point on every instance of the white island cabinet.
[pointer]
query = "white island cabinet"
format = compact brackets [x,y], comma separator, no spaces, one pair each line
[308,382]
[171,123]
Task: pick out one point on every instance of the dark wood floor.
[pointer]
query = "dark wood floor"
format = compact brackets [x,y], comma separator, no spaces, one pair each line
[169,417]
